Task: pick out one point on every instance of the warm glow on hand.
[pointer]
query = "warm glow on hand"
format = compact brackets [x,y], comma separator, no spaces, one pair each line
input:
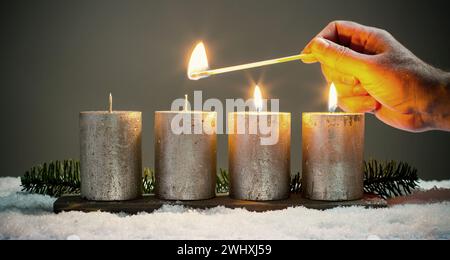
[376,75]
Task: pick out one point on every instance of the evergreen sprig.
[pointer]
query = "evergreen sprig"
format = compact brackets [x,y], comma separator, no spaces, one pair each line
[386,179]
[148,181]
[296,183]
[54,178]
[223,182]
[389,179]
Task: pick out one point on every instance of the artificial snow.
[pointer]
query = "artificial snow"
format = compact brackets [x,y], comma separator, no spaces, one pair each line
[428,185]
[29,216]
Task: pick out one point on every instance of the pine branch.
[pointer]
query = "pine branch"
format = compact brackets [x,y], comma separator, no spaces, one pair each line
[296,184]
[389,179]
[54,179]
[59,178]
[223,182]
[148,181]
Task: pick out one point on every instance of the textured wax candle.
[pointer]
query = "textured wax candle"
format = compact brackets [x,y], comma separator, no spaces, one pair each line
[333,154]
[185,164]
[259,172]
[111,161]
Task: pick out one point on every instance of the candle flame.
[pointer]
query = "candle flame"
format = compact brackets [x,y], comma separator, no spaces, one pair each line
[332,98]
[198,62]
[257,99]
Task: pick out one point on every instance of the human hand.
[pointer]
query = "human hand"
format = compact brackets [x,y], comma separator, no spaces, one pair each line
[374,73]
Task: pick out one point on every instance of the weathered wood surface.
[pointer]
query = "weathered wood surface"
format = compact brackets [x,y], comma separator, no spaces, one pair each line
[150,203]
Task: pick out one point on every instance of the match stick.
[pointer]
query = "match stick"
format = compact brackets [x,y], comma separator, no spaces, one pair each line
[207,73]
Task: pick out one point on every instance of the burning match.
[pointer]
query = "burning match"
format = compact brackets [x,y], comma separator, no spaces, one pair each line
[198,65]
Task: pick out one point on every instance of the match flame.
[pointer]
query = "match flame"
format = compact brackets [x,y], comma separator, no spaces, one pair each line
[257,99]
[198,62]
[332,99]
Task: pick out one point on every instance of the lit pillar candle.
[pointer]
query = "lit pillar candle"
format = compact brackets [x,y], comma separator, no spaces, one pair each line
[185,163]
[110,150]
[333,154]
[259,172]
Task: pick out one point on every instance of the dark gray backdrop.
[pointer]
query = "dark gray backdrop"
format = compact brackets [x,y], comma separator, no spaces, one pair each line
[61,57]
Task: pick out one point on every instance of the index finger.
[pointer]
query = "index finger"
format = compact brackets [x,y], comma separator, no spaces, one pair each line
[349,34]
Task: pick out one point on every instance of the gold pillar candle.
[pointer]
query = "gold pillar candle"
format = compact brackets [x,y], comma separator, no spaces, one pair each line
[259,172]
[333,154]
[185,163]
[110,151]
[259,164]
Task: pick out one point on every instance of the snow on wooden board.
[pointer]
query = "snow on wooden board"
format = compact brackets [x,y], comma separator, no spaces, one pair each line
[30,216]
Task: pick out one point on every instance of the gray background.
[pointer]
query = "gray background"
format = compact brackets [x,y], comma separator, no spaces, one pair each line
[61,57]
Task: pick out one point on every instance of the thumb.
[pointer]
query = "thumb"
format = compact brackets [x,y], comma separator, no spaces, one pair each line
[339,58]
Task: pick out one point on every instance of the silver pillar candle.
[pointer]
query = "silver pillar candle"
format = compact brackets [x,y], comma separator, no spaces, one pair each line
[185,163]
[111,162]
[333,154]
[259,172]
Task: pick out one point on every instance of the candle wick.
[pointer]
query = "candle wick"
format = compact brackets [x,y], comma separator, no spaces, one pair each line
[332,108]
[186,102]
[110,103]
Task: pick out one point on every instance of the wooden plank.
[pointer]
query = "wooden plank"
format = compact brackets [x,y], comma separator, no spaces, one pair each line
[422,197]
[150,203]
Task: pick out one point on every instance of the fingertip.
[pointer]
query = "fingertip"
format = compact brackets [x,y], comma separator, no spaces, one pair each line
[306,50]
[370,104]
[364,104]
[319,45]
[309,60]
